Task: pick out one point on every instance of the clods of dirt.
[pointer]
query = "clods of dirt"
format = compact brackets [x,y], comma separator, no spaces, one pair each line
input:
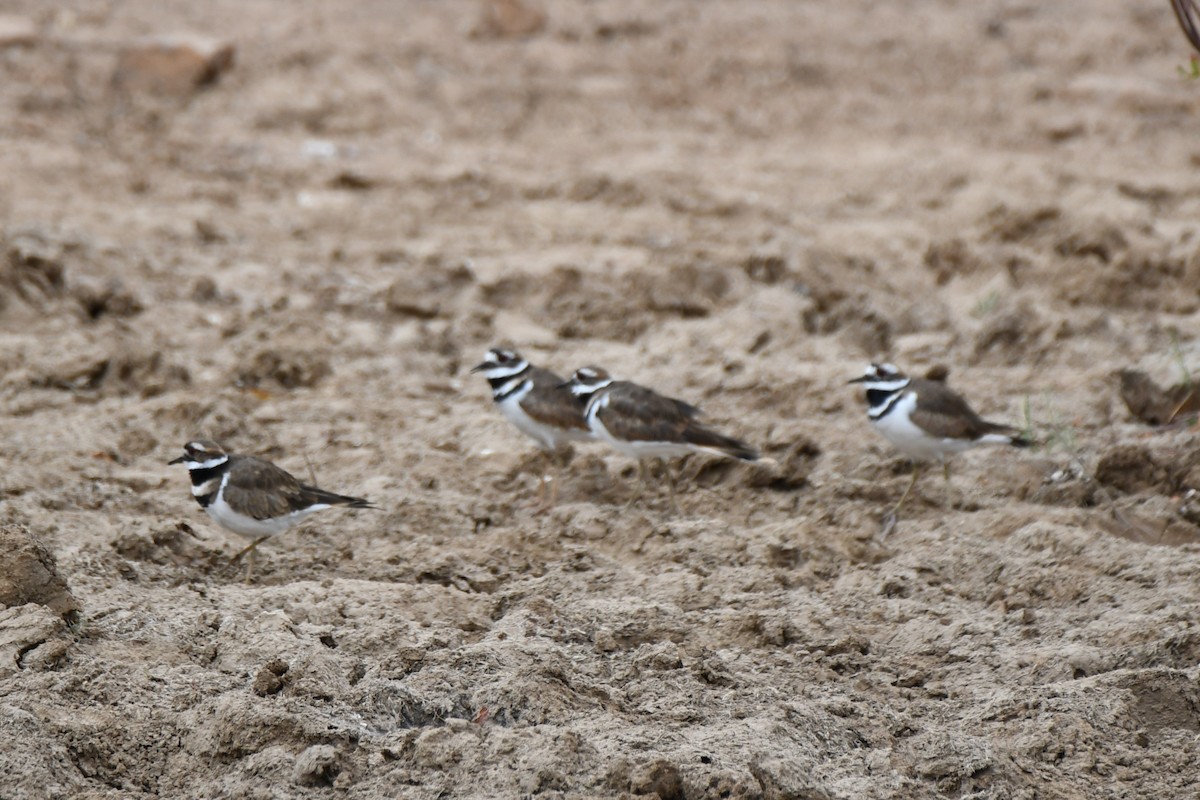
[29,573]
[1154,405]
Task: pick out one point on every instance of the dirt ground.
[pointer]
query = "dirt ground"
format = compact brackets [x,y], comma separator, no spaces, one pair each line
[737,203]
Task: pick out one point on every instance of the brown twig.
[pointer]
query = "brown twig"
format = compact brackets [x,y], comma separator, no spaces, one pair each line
[1188,15]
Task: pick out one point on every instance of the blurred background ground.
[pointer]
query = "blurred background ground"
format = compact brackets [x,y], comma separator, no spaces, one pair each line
[298,232]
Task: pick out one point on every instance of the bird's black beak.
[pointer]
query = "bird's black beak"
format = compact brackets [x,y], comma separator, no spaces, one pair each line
[179,460]
[858,380]
[564,385]
[480,367]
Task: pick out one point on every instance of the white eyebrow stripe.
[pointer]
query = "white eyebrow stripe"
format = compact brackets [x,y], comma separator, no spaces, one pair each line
[212,462]
[501,371]
[886,386]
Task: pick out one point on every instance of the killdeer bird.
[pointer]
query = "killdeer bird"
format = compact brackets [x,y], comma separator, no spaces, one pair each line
[926,420]
[642,424]
[250,496]
[535,400]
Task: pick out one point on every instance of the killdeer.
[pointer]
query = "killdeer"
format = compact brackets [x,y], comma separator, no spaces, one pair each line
[926,420]
[535,400]
[250,496]
[643,424]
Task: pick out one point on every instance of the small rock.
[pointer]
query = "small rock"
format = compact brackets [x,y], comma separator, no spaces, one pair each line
[289,367]
[107,299]
[353,181]
[170,544]
[46,656]
[1144,398]
[317,766]
[938,372]
[659,777]
[1152,404]
[30,636]
[1085,661]
[17,31]
[31,269]
[208,232]
[1189,508]
[509,18]
[660,656]
[1062,129]
[713,670]
[786,469]
[269,679]
[950,258]
[604,641]
[1130,468]
[204,290]
[320,676]
[136,442]
[172,65]
[425,290]
[768,269]
[1010,335]
[29,574]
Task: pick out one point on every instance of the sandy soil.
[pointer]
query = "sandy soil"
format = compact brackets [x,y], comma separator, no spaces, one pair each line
[738,203]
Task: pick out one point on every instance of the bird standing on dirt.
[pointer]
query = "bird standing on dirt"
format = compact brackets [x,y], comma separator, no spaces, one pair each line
[251,496]
[643,424]
[926,420]
[537,402]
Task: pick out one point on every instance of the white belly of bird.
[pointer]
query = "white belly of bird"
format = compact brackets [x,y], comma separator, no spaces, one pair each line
[250,527]
[547,437]
[913,442]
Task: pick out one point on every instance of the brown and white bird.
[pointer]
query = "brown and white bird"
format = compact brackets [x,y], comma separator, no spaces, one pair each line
[643,424]
[535,400]
[251,496]
[926,420]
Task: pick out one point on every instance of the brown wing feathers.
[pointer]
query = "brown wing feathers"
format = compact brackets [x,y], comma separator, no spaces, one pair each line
[264,490]
[942,412]
[312,494]
[636,413]
[550,403]
[701,436]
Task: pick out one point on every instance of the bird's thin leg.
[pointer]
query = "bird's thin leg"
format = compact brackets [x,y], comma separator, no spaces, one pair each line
[312,473]
[249,550]
[540,502]
[956,502]
[555,481]
[889,519]
[553,476]
[671,486]
[916,474]
[641,484]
